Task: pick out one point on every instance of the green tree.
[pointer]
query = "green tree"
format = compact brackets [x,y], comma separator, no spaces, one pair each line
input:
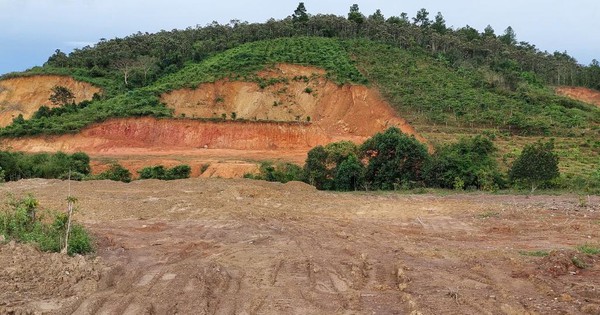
[354,15]
[439,25]
[300,14]
[61,96]
[350,174]
[509,37]
[315,168]
[422,18]
[394,159]
[537,164]
[489,32]
[377,17]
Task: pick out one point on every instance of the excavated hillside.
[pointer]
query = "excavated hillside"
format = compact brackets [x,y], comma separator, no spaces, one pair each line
[281,115]
[292,93]
[25,95]
[580,93]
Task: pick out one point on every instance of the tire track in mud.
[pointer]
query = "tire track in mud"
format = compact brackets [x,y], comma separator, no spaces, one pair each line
[263,266]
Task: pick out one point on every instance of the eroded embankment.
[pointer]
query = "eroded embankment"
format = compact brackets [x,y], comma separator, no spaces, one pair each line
[292,93]
[281,115]
[580,93]
[146,135]
[25,95]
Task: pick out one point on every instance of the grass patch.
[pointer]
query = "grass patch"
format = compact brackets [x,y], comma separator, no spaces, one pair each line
[589,249]
[22,220]
[488,214]
[534,253]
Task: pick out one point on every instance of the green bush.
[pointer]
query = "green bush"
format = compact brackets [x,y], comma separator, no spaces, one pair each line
[116,172]
[21,220]
[468,163]
[160,172]
[279,172]
[18,165]
[394,159]
[537,164]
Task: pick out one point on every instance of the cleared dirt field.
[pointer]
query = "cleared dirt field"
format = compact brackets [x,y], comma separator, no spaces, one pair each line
[215,246]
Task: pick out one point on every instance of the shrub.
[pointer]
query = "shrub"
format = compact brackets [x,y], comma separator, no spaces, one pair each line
[22,221]
[116,172]
[393,158]
[162,173]
[282,172]
[466,163]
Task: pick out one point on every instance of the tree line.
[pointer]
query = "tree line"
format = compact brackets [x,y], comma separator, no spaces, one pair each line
[392,160]
[141,58]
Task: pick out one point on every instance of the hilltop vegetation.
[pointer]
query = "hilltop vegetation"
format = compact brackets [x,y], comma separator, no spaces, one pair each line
[447,82]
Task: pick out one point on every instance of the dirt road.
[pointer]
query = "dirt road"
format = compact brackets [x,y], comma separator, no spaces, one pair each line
[213,246]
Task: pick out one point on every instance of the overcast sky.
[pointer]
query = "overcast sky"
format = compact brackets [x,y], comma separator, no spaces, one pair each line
[30,30]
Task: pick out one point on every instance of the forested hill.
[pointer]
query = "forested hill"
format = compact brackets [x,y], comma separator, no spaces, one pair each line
[430,73]
[465,47]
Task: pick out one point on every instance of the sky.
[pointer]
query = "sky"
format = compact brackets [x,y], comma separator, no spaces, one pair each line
[31,30]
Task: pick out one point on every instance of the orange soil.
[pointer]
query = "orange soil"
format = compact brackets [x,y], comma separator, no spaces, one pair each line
[25,95]
[581,94]
[232,148]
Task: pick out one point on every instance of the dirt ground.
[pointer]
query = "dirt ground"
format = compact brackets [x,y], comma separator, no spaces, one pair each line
[216,246]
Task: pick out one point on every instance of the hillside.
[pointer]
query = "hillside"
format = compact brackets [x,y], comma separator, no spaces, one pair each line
[358,80]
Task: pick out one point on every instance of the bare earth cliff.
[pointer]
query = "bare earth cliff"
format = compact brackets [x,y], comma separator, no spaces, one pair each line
[298,109]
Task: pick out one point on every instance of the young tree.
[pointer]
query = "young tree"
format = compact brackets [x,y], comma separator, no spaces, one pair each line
[377,17]
[61,96]
[354,15]
[422,19]
[439,25]
[509,37]
[300,14]
[537,164]
[489,32]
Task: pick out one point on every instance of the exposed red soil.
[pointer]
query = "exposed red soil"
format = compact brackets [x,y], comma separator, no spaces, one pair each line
[347,112]
[580,93]
[211,246]
[25,95]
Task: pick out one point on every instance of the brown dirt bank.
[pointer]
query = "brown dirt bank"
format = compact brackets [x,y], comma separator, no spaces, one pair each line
[210,246]
[24,95]
[581,94]
[301,94]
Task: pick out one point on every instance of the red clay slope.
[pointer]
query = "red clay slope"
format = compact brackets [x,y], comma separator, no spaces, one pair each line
[347,112]
[580,93]
[25,95]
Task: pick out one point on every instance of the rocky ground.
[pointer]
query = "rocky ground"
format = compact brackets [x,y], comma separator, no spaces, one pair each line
[214,246]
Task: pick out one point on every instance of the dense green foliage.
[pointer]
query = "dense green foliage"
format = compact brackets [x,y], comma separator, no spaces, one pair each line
[467,163]
[430,72]
[537,164]
[277,172]
[22,220]
[395,159]
[115,172]
[431,91]
[160,172]
[18,165]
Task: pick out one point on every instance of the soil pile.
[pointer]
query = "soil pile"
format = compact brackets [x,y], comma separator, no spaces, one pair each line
[25,95]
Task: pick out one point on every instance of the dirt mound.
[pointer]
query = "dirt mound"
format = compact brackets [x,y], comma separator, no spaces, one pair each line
[563,262]
[48,281]
[24,95]
[580,93]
